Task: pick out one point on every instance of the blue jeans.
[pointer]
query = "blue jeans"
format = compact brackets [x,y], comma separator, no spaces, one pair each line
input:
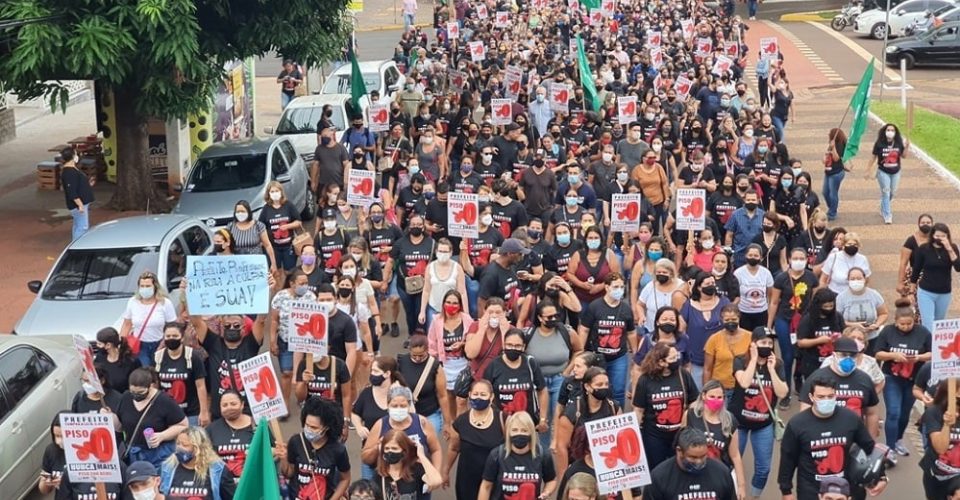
[411,308]
[932,306]
[761,441]
[285,100]
[554,383]
[888,188]
[782,327]
[408,21]
[429,315]
[617,372]
[436,420]
[831,193]
[752,7]
[473,290]
[778,123]
[367,471]
[147,350]
[898,398]
[696,371]
[81,221]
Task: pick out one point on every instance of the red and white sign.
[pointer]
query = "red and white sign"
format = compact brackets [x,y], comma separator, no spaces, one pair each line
[511,82]
[656,57]
[686,26]
[502,19]
[308,328]
[86,361]
[626,109]
[453,30]
[607,8]
[379,117]
[463,215]
[619,459]
[458,79]
[596,17]
[654,38]
[704,46]
[731,49]
[90,448]
[478,52]
[573,5]
[482,11]
[658,83]
[683,86]
[945,362]
[560,94]
[625,212]
[769,48]
[502,111]
[264,396]
[361,185]
[691,209]
[722,65]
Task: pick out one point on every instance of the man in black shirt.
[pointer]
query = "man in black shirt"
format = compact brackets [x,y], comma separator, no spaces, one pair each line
[341,329]
[855,389]
[538,186]
[500,278]
[76,192]
[227,346]
[693,472]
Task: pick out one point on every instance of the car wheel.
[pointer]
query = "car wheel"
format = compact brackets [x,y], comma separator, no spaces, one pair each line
[310,207]
[908,60]
[878,31]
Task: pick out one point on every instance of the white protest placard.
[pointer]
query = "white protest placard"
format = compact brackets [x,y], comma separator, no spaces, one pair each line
[619,459]
[457,78]
[307,327]
[379,117]
[654,38]
[721,65]
[227,284]
[477,51]
[86,361]
[607,8]
[731,49]
[260,383]
[704,46]
[511,82]
[360,187]
[945,362]
[463,215]
[482,11]
[560,97]
[596,17]
[573,5]
[90,448]
[626,109]
[501,19]
[686,26]
[691,209]
[656,57]
[683,86]
[769,48]
[502,111]
[625,210]
[453,30]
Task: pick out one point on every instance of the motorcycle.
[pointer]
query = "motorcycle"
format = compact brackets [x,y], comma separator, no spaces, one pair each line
[920,26]
[848,14]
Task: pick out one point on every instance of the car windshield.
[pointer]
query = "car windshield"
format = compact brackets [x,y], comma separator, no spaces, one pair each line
[943,10]
[228,173]
[340,84]
[100,274]
[304,120]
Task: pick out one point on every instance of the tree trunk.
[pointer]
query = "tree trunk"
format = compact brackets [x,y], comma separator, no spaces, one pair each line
[135,187]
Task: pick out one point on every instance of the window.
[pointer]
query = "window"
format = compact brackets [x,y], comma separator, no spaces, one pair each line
[198,242]
[227,173]
[948,35]
[340,84]
[288,152]
[392,76]
[304,120]
[108,273]
[22,369]
[278,166]
[176,264]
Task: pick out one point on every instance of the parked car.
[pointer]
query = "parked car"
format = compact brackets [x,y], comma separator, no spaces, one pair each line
[382,76]
[873,23]
[229,171]
[901,21]
[39,377]
[939,46]
[298,123]
[90,284]
[944,15]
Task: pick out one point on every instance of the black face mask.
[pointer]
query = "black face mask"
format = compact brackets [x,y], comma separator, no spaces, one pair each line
[512,354]
[550,323]
[709,290]
[764,352]
[392,457]
[377,380]
[520,441]
[553,294]
[674,365]
[851,250]
[232,334]
[825,312]
[601,393]
[753,261]
[926,229]
[416,231]
[667,328]
[172,344]
[345,293]
[662,279]
[140,396]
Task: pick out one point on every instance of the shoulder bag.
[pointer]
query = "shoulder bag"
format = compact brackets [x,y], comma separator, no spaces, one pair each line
[778,426]
[133,342]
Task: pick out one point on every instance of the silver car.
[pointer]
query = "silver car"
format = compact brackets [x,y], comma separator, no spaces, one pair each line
[230,171]
[96,275]
[39,377]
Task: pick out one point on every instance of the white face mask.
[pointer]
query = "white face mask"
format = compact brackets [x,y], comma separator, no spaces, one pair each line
[148,494]
[89,389]
[487,159]
[891,135]
[350,273]
[635,135]
[748,132]
[798,265]
[486,219]
[622,176]
[443,256]
[706,244]
[329,224]
[494,322]
[241,216]
[427,140]
[607,157]
[657,147]
[857,285]
[275,195]
[146,292]
[327,307]
[357,256]
[398,414]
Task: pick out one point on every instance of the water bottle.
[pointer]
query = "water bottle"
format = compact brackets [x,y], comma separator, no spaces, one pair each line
[147,434]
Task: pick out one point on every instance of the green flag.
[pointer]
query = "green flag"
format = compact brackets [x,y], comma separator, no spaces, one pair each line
[357,88]
[586,77]
[860,103]
[590,4]
[259,478]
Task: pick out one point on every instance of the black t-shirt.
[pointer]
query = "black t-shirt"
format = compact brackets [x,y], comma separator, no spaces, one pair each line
[509,217]
[323,383]
[570,390]
[608,327]
[748,405]
[180,382]
[718,444]
[813,326]
[771,254]
[273,218]
[86,491]
[721,208]
[231,444]
[789,287]
[855,392]
[672,483]
[663,401]
[427,403]
[223,373]
[117,373]
[436,213]
[557,258]
[316,471]
[465,183]
[331,248]
[498,281]
[400,489]
[944,466]
[577,411]
[516,388]
[367,409]
[53,461]
[925,381]
[888,156]
[161,415]
[407,200]
[411,258]
[383,238]
[518,476]
[807,240]
[914,343]
[481,248]
[816,448]
[342,332]
[187,486]
[689,177]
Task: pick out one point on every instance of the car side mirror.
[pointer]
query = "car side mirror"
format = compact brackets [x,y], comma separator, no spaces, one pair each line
[284,177]
[268,130]
[35,286]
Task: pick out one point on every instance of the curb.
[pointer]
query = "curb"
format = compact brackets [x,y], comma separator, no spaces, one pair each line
[800,17]
[389,27]
[922,155]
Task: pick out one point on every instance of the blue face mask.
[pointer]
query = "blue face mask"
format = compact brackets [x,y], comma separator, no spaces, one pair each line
[694,467]
[616,293]
[762,150]
[563,239]
[654,255]
[786,183]
[572,201]
[185,457]
[593,244]
[573,178]
[826,406]
[847,365]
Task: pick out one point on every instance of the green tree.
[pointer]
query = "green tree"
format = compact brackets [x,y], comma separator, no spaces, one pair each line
[161,58]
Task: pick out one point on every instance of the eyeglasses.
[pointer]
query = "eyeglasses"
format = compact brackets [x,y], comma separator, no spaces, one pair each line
[513,346]
[233,325]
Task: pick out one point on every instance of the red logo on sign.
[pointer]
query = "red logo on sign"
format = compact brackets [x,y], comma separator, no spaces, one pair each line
[630,108]
[466,216]
[630,212]
[478,49]
[732,50]
[627,449]
[771,48]
[99,446]
[315,327]
[504,109]
[595,18]
[952,349]
[705,48]
[381,116]
[561,96]
[365,187]
[683,88]
[694,209]
[266,387]
[514,87]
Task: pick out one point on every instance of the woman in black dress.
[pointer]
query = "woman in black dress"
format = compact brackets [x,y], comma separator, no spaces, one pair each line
[475,433]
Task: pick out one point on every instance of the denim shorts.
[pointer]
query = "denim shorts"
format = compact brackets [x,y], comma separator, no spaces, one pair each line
[286,259]
[286,356]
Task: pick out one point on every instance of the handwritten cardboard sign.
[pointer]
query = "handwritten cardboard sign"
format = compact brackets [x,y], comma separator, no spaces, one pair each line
[227,284]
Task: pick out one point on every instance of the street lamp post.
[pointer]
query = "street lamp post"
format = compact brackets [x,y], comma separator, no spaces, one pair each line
[883,55]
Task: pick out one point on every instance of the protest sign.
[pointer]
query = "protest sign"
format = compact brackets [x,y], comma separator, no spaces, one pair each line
[90,448]
[482,11]
[626,110]
[462,215]
[704,46]
[596,17]
[731,49]
[360,187]
[686,26]
[227,284]
[722,65]
[607,8]
[691,209]
[682,86]
[769,48]
[560,97]
[656,57]
[502,19]
[453,30]
[502,110]
[379,117]
[654,38]
[86,361]
[307,327]
[945,344]
[625,209]
[457,78]
[619,459]
[478,52]
[511,82]
[264,396]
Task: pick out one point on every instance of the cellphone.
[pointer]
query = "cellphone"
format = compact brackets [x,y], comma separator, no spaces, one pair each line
[45,475]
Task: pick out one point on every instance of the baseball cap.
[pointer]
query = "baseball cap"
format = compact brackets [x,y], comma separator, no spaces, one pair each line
[329,213]
[835,485]
[513,245]
[762,332]
[847,345]
[140,471]
[511,127]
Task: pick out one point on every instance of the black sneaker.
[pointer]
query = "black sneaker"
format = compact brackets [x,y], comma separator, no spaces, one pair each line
[784,403]
[394,330]
[406,344]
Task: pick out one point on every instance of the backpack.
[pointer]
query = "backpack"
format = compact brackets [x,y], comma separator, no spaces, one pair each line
[562,329]
[187,354]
